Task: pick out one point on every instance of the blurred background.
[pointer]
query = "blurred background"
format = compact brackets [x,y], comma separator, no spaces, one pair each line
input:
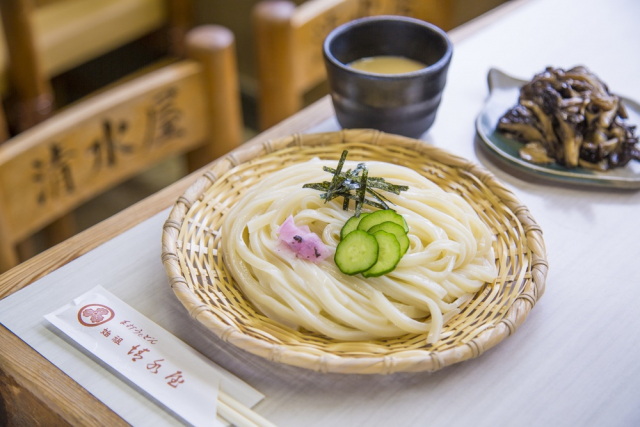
[57,52]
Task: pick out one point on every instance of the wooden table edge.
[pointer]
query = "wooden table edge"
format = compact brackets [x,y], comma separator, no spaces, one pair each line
[27,369]
[470,28]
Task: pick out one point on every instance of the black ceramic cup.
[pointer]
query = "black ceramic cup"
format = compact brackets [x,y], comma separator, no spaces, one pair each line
[403,104]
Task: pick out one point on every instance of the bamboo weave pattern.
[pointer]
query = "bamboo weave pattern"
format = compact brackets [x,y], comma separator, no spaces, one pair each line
[200,280]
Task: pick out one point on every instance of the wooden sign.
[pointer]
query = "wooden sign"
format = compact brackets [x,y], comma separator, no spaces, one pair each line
[96,144]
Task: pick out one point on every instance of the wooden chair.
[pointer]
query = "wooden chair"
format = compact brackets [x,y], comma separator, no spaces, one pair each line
[47,37]
[289,41]
[4,131]
[192,105]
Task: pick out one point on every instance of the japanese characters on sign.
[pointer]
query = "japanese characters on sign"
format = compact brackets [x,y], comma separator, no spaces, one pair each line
[53,174]
[114,142]
[139,343]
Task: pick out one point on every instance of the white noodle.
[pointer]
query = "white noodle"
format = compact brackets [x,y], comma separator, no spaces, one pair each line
[450,257]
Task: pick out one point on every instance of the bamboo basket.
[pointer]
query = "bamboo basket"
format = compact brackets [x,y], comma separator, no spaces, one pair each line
[200,280]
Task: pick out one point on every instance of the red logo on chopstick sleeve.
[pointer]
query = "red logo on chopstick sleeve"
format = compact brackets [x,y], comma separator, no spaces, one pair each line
[95,314]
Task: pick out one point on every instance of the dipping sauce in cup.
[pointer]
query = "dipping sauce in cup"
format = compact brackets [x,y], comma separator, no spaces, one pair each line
[387,64]
[403,102]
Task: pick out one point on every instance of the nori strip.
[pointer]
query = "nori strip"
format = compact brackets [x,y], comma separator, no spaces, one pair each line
[336,177]
[361,192]
[343,183]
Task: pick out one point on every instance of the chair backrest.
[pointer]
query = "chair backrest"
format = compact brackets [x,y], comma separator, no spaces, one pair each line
[46,38]
[289,44]
[97,143]
[4,131]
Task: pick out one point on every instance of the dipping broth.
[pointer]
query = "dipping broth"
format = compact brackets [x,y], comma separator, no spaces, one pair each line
[387,65]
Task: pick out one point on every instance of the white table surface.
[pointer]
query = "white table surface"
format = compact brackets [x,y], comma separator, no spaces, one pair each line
[573,362]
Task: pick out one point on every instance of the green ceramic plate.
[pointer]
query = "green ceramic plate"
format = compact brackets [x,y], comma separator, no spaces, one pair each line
[504,95]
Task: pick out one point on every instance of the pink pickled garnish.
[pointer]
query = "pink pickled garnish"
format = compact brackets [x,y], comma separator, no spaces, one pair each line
[304,243]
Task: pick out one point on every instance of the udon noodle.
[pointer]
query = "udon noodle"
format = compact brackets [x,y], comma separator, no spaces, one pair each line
[449,259]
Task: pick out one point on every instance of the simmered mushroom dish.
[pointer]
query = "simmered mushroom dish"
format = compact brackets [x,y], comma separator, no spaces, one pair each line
[569,117]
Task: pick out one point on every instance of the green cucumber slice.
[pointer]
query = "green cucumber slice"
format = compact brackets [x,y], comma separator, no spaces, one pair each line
[351,225]
[358,252]
[388,254]
[405,225]
[378,217]
[396,230]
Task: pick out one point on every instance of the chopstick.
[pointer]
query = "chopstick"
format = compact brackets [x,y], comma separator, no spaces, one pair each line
[238,414]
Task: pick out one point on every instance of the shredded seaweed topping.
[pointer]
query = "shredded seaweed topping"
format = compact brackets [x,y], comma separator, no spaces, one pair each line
[355,185]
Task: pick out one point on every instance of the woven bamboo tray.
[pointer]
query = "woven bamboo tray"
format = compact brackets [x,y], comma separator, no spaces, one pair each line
[199,278]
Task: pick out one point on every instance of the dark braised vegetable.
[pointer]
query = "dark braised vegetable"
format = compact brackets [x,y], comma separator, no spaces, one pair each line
[571,118]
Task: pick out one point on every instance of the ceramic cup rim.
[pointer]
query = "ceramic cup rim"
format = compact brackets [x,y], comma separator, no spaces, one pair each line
[429,69]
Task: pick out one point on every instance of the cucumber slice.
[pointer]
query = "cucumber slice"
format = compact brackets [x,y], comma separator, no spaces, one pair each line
[358,252]
[388,254]
[351,225]
[396,230]
[378,217]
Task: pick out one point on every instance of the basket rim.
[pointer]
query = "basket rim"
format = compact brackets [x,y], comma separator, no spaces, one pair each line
[400,361]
